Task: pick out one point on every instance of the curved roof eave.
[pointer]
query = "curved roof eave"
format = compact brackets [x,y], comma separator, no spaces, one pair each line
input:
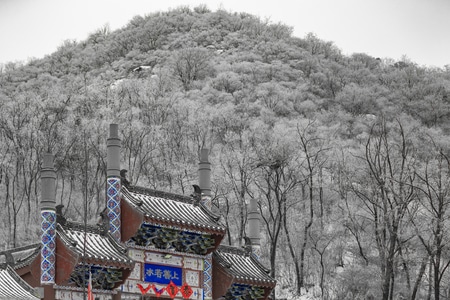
[171,209]
[100,248]
[243,267]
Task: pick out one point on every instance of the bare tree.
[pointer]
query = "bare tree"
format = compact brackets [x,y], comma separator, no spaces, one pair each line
[386,190]
[313,154]
[433,213]
[191,64]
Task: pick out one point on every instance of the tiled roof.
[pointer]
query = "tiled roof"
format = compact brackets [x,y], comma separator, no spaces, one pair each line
[12,287]
[100,247]
[245,269]
[21,256]
[174,209]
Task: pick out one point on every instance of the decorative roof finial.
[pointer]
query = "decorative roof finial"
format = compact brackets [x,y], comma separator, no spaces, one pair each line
[123,178]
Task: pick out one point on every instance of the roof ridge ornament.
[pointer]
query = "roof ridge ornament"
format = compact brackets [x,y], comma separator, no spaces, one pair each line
[59,215]
[103,223]
[123,178]
[196,195]
[247,246]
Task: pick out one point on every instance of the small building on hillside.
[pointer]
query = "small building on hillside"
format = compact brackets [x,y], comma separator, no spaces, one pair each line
[148,244]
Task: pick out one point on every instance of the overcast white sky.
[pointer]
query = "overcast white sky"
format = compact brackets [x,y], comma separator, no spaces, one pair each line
[418,29]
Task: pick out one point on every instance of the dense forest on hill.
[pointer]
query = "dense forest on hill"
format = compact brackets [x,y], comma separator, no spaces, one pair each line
[348,156]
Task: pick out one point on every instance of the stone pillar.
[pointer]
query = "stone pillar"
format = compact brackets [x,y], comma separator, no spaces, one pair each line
[204,181]
[204,178]
[48,225]
[113,181]
[254,224]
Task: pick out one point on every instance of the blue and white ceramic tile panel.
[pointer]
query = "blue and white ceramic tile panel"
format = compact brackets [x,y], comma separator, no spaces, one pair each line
[48,255]
[113,204]
[207,277]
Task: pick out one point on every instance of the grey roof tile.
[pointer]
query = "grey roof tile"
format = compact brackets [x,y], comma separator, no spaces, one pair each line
[12,287]
[240,264]
[99,246]
[175,209]
[20,256]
